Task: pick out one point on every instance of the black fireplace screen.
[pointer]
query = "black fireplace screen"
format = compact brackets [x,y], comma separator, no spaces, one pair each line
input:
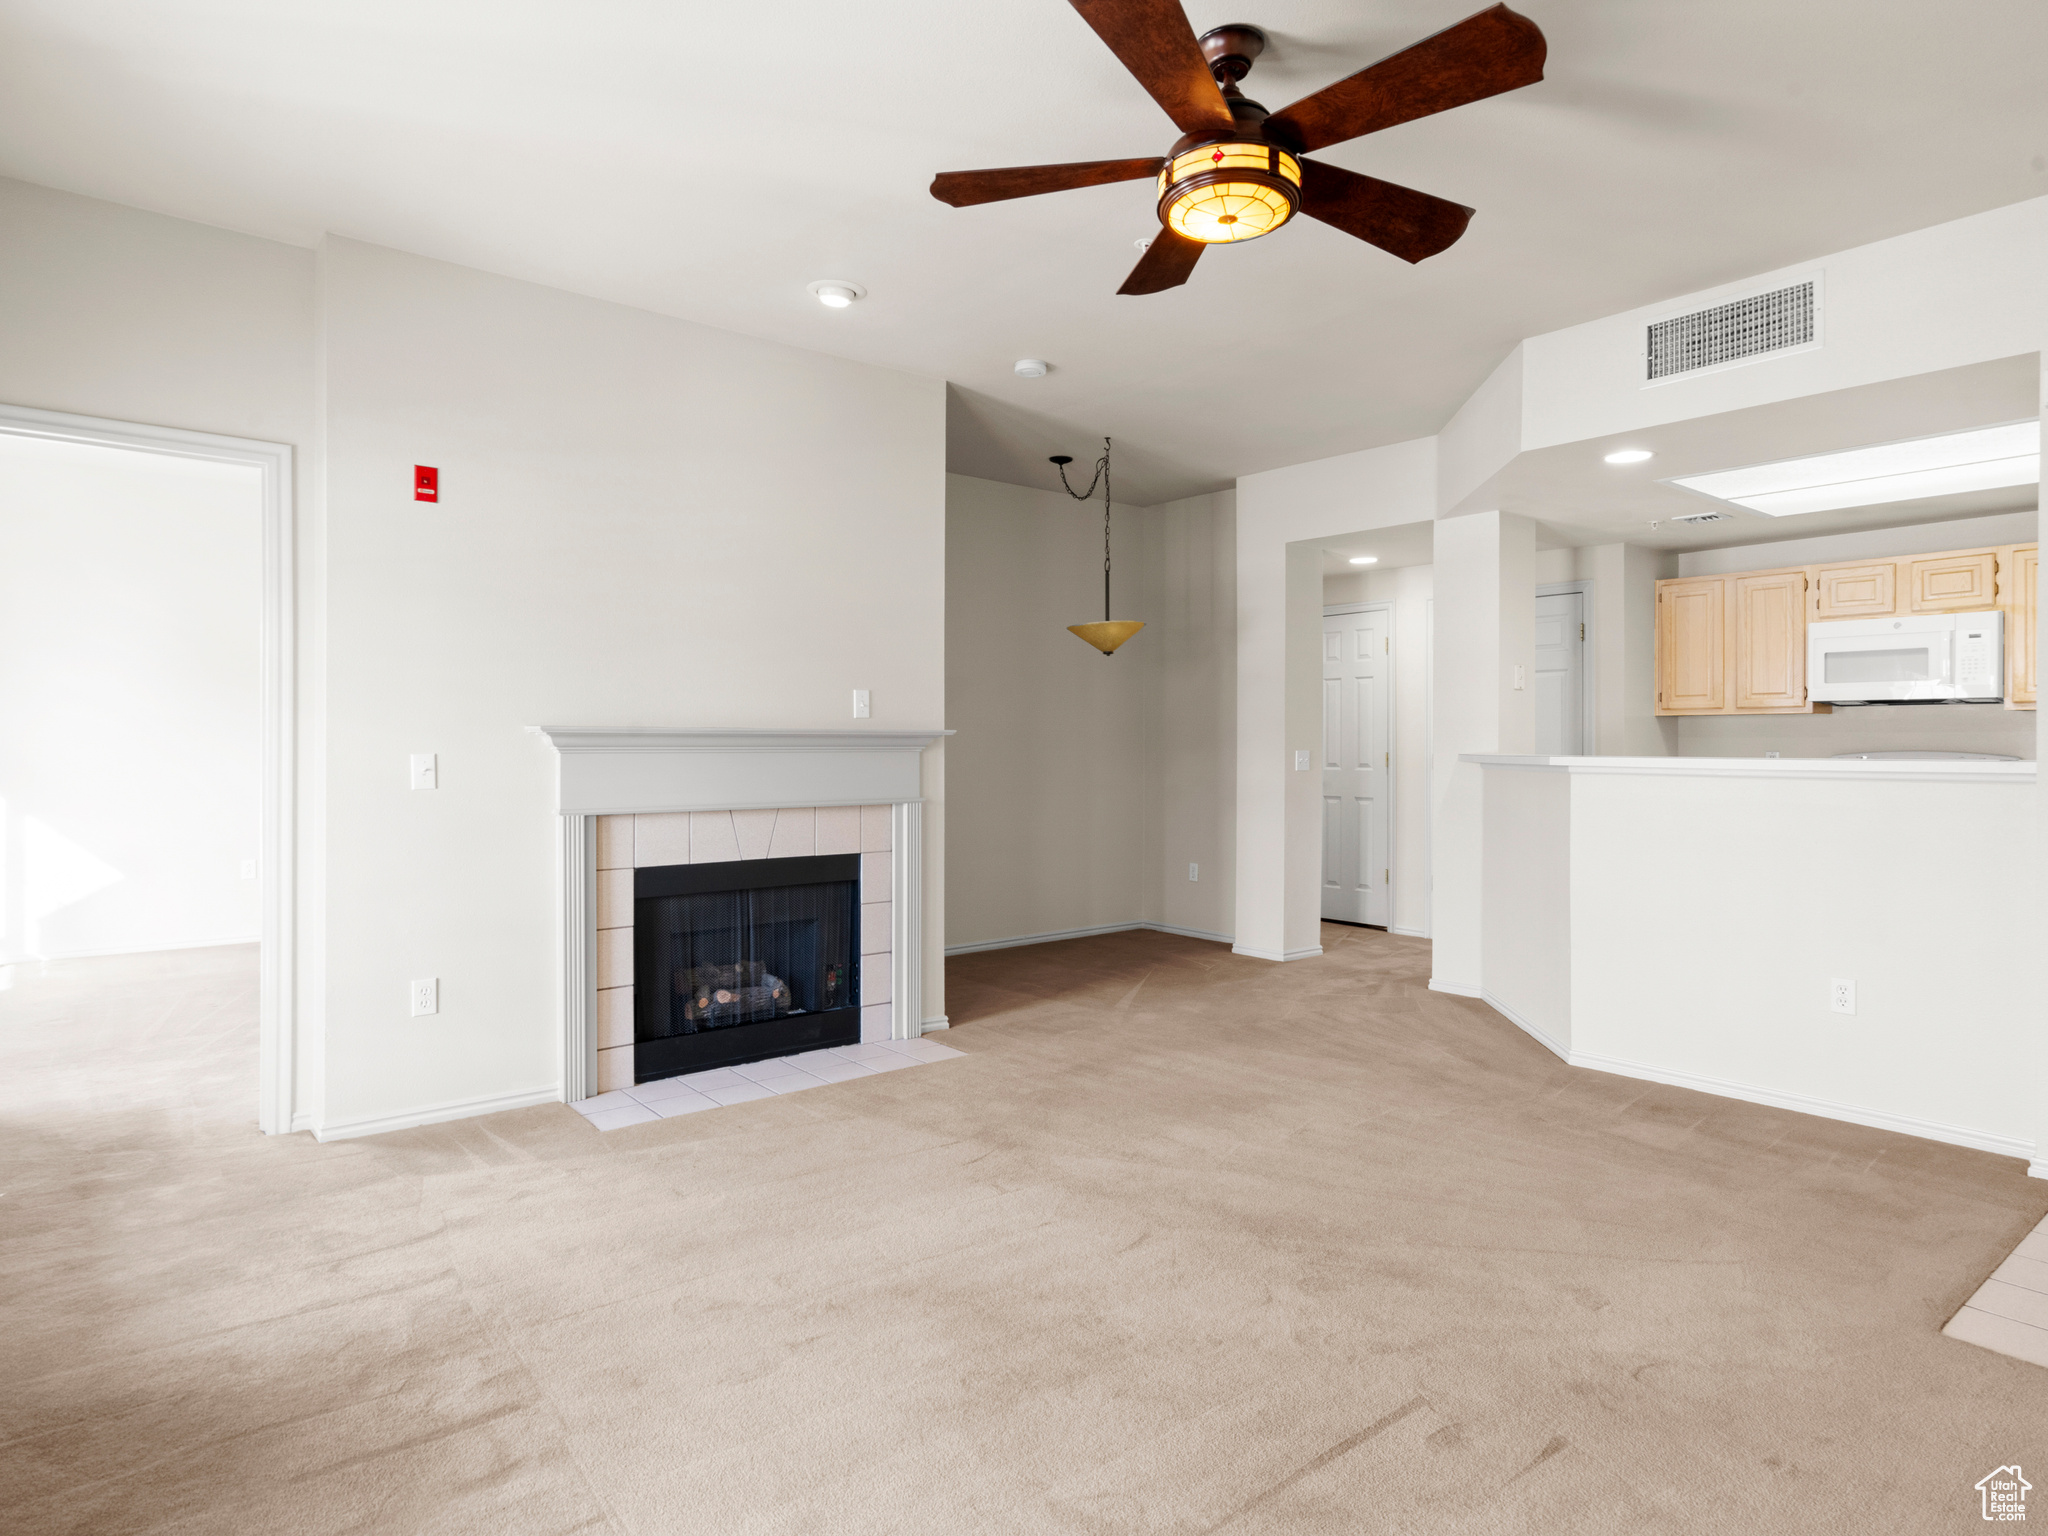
[740,961]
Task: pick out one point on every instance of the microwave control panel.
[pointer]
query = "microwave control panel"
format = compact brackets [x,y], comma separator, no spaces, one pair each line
[1979,657]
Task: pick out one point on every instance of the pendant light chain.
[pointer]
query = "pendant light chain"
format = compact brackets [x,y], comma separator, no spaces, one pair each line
[1101,474]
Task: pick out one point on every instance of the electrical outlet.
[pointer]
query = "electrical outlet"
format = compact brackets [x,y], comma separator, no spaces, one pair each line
[1194,871]
[248,869]
[1301,760]
[426,996]
[860,704]
[426,773]
[1842,996]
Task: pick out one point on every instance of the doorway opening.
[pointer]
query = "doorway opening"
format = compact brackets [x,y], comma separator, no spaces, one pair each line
[1564,719]
[1358,764]
[146,761]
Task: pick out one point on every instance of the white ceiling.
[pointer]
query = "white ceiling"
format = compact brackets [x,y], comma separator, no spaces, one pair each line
[708,162]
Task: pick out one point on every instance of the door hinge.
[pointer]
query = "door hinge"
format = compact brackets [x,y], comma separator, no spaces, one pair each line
[1386,876]
[1386,759]
[1386,645]
[1582,632]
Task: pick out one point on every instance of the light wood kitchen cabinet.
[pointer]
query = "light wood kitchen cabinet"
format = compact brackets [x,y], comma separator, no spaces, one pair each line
[2020,589]
[1865,591]
[1964,578]
[1692,646]
[1729,645]
[1770,639]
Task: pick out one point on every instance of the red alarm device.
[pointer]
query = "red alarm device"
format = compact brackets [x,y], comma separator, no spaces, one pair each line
[426,483]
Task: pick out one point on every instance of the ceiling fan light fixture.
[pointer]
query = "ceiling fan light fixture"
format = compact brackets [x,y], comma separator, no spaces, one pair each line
[1222,193]
[836,293]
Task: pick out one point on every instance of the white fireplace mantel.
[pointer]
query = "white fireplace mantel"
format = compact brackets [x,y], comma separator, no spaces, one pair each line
[648,770]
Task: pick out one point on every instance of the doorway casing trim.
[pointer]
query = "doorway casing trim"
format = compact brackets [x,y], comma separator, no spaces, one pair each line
[1589,654]
[277,1028]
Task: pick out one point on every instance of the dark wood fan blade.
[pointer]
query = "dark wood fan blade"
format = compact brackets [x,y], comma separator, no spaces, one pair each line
[1153,40]
[963,189]
[1166,263]
[1481,56]
[1410,224]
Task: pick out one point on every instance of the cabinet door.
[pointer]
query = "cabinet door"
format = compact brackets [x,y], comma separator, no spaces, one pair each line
[1946,583]
[1856,591]
[2022,626]
[1692,646]
[1770,640]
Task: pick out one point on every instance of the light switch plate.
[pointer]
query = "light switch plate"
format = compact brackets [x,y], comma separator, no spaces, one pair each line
[860,704]
[1194,871]
[1301,760]
[426,773]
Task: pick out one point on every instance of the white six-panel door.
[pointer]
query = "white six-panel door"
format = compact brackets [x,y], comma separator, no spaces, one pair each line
[1561,675]
[1357,767]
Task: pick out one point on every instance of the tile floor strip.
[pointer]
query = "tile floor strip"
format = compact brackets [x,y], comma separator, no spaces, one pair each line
[668,1097]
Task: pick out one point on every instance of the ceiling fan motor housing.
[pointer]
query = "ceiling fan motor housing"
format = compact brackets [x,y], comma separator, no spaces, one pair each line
[1223,187]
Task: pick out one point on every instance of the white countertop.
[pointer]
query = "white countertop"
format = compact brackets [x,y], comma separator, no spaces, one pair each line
[1957,771]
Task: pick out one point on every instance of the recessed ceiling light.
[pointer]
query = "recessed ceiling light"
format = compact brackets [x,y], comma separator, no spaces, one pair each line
[836,293]
[1986,459]
[1365,559]
[1629,456]
[1032,368]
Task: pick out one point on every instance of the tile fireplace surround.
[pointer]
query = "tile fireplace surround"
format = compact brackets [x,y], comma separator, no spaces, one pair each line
[646,797]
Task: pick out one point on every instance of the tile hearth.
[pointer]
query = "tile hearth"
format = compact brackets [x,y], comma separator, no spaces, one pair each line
[668,1097]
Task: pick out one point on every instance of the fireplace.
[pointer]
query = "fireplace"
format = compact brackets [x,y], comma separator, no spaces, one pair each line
[744,960]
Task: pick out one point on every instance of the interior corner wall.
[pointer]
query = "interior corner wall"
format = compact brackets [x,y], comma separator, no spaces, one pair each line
[1052,773]
[642,522]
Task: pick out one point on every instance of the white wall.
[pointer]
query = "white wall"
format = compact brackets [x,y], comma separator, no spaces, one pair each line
[1408,590]
[1485,629]
[1053,770]
[130,721]
[643,522]
[1082,787]
[1621,586]
[1197,701]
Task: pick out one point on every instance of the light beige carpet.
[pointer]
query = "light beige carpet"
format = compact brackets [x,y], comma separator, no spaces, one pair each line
[1188,1243]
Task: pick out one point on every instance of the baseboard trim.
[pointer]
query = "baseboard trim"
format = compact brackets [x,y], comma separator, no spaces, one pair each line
[1456,989]
[1561,1052]
[434,1114]
[1082,933]
[1932,1130]
[941,1022]
[2037,1170]
[1280,956]
[303,1120]
[1411,933]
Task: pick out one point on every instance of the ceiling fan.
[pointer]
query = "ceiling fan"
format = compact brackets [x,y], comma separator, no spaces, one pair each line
[1237,172]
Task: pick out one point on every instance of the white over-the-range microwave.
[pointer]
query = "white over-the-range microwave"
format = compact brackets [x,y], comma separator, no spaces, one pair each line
[1916,658]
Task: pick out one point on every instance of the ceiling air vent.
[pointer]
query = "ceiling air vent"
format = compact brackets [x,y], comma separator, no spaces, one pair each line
[1727,333]
[1701,517]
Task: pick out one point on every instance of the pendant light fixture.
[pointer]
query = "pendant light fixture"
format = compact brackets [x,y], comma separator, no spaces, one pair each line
[1110,633]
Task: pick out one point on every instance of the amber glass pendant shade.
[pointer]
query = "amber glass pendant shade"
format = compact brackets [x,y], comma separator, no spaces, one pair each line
[1219,193]
[1109,634]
